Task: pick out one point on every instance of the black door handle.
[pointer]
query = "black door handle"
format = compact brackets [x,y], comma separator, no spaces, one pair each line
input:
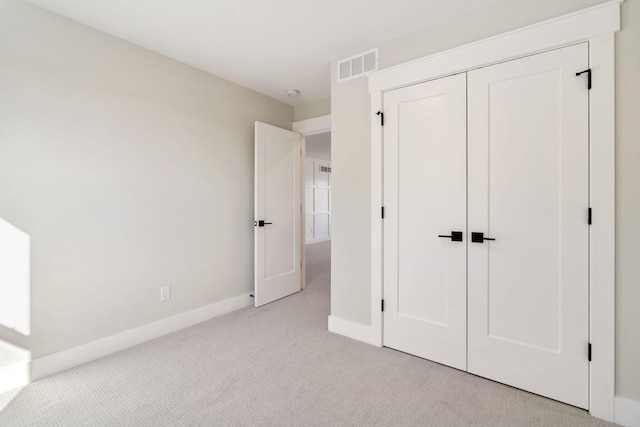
[456,236]
[261,223]
[479,237]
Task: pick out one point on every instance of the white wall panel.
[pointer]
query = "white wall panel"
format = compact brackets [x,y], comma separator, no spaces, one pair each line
[318,201]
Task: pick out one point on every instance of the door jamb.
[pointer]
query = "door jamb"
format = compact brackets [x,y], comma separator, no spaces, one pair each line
[307,127]
[597,26]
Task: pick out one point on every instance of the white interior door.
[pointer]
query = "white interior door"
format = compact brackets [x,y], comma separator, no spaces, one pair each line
[528,190]
[424,198]
[277,213]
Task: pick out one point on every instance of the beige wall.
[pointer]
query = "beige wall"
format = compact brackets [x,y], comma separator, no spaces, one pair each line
[496,18]
[315,109]
[129,171]
[352,151]
[350,201]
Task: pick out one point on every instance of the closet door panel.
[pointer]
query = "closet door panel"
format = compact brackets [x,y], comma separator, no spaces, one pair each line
[528,190]
[424,197]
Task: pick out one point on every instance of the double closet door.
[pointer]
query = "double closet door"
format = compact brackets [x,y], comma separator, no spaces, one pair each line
[486,235]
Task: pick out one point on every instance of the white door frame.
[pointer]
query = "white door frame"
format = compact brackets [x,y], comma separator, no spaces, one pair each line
[595,25]
[315,125]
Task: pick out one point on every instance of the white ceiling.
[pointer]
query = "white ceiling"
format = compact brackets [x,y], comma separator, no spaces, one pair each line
[266,45]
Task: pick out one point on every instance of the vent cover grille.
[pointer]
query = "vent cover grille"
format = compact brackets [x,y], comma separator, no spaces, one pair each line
[358,65]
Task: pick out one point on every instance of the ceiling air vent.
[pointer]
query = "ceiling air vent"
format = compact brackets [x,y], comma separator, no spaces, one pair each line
[358,65]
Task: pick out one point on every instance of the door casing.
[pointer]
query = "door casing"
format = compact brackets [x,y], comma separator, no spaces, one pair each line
[597,26]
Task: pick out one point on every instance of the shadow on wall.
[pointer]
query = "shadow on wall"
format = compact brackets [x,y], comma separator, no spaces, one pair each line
[15,304]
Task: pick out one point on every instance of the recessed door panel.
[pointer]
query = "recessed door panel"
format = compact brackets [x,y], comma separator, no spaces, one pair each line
[528,190]
[281,194]
[321,202]
[321,229]
[425,197]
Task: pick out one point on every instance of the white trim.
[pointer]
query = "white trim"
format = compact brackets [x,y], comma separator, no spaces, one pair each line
[303,212]
[602,231]
[564,30]
[76,356]
[354,330]
[627,412]
[313,126]
[376,217]
[597,26]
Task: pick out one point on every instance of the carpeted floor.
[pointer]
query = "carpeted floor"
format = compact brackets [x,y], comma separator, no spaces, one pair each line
[275,366]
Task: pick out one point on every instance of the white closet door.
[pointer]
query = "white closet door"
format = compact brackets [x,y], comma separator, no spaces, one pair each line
[424,197]
[528,189]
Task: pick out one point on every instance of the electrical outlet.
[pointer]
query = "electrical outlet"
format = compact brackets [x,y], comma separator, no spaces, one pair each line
[165,293]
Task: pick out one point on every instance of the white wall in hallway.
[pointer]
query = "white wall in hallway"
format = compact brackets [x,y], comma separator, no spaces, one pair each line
[318,146]
[317,201]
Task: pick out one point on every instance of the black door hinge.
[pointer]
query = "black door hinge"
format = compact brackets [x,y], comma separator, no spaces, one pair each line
[590,217]
[381,305]
[588,71]
[381,114]
[382,213]
[589,352]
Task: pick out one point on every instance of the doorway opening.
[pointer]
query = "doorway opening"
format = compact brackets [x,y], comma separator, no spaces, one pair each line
[280,205]
[317,208]
[316,223]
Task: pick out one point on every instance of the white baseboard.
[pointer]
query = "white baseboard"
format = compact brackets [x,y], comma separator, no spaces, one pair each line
[58,362]
[354,330]
[627,412]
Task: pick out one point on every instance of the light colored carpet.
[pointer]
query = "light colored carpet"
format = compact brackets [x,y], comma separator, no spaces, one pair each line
[276,366]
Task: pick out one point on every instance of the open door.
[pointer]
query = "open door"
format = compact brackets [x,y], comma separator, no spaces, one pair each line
[277,262]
